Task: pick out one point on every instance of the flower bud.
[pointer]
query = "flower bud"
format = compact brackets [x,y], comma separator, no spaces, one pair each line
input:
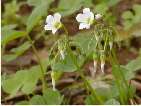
[111,45]
[94,69]
[53,80]
[62,54]
[98,16]
[102,66]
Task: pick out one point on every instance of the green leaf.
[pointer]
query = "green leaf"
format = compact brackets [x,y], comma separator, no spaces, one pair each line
[137,8]
[49,97]
[87,3]
[85,41]
[66,65]
[9,35]
[36,15]
[131,19]
[9,27]
[121,82]
[9,57]
[21,49]
[14,83]
[23,103]
[24,80]
[101,8]
[16,52]
[35,2]
[132,66]
[127,15]
[31,79]
[52,97]
[37,100]
[67,7]
[89,100]
[109,93]
[128,24]
[112,102]
[113,2]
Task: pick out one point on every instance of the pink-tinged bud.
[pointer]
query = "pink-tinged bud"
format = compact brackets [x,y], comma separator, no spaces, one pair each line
[53,81]
[111,45]
[62,54]
[102,66]
[98,16]
[93,71]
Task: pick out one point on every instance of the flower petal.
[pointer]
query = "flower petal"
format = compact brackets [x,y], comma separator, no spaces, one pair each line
[57,17]
[81,18]
[90,15]
[86,10]
[54,30]
[50,19]
[84,25]
[48,27]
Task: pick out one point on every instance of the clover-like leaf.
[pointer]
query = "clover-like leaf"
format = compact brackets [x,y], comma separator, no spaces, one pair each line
[23,80]
[37,14]
[49,97]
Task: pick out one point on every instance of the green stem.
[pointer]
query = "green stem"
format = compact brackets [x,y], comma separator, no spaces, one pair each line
[40,64]
[65,29]
[81,73]
[121,73]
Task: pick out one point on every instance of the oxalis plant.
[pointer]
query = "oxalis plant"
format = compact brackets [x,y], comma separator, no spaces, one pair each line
[62,55]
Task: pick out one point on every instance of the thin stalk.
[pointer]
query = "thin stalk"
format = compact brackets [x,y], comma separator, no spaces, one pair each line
[80,73]
[39,61]
[114,60]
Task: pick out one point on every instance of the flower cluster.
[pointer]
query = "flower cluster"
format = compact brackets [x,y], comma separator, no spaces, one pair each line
[86,19]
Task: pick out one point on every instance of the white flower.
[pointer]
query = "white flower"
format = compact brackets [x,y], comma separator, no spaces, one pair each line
[98,16]
[85,19]
[53,22]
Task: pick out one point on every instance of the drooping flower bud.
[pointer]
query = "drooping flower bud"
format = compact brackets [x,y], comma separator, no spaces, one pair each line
[102,66]
[98,16]
[111,45]
[62,54]
[102,59]
[94,68]
[53,80]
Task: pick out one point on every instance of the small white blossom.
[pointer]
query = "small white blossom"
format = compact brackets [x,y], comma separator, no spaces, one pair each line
[53,22]
[85,19]
[98,16]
